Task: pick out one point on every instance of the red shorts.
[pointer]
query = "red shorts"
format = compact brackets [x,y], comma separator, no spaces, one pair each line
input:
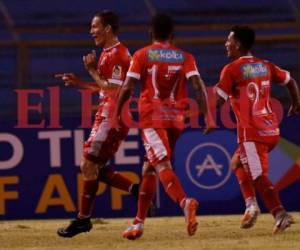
[109,140]
[254,155]
[159,143]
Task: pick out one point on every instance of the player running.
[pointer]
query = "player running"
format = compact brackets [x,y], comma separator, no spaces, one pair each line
[162,70]
[104,140]
[247,82]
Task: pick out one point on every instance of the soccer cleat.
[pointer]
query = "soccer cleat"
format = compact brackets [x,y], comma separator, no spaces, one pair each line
[282,221]
[190,209]
[134,231]
[250,216]
[75,227]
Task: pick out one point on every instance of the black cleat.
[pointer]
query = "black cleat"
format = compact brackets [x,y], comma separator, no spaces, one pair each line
[75,227]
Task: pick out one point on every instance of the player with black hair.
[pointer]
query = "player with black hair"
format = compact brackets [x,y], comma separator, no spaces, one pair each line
[104,140]
[247,82]
[163,70]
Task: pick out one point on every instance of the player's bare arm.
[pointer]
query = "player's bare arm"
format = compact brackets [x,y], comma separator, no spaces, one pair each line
[124,95]
[220,101]
[200,93]
[70,79]
[293,89]
[201,98]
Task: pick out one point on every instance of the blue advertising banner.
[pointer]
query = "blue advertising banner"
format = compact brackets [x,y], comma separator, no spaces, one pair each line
[204,165]
[40,175]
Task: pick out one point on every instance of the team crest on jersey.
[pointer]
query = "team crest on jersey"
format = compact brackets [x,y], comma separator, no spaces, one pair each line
[117,72]
[250,70]
[165,55]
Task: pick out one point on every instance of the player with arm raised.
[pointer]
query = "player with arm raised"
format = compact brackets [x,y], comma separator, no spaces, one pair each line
[162,70]
[247,82]
[104,140]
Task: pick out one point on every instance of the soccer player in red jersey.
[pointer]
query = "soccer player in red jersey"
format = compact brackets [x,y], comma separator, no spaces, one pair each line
[104,140]
[162,70]
[247,82]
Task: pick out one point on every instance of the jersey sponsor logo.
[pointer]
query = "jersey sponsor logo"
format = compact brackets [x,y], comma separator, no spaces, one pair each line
[251,70]
[165,55]
[208,165]
[272,132]
[117,72]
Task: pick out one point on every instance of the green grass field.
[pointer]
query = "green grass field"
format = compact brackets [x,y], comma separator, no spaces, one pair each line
[214,232]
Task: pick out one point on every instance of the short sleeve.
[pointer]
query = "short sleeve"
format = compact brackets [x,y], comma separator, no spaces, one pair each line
[118,67]
[136,66]
[189,66]
[224,86]
[278,75]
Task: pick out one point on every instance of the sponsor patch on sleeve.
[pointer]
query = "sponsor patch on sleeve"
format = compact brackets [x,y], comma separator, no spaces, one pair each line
[117,72]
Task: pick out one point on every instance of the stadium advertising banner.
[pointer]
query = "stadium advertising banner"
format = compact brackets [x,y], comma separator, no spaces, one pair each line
[40,175]
[203,164]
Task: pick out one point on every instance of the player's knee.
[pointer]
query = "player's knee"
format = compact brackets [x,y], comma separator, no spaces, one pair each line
[89,169]
[148,169]
[162,166]
[235,162]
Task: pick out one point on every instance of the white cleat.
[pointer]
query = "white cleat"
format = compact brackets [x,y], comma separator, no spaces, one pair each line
[190,213]
[250,216]
[134,231]
[282,221]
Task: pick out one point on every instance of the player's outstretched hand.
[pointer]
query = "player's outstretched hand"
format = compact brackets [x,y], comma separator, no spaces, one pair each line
[294,109]
[208,130]
[210,124]
[70,79]
[89,61]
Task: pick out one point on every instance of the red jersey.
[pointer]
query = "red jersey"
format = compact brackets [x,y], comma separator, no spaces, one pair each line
[247,82]
[112,66]
[163,70]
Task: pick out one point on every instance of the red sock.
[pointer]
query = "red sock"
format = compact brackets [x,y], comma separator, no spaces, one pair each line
[146,194]
[87,199]
[269,194]
[172,185]
[246,183]
[114,179]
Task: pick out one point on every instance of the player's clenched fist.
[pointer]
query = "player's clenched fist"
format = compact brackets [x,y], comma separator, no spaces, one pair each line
[89,60]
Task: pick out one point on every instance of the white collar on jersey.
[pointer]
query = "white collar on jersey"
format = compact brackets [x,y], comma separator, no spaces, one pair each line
[166,43]
[111,47]
[246,57]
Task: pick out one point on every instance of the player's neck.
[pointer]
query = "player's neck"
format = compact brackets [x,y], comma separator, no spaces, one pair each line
[155,41]
[111,42]
[242,54]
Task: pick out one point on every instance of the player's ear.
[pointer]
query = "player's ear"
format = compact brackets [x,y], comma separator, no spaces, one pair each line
[108,28]
[238,45]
